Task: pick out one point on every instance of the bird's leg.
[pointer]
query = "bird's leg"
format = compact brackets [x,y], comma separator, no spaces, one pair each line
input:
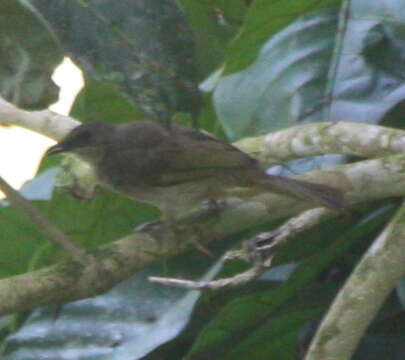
[198,233]
[177,224]
[210,207]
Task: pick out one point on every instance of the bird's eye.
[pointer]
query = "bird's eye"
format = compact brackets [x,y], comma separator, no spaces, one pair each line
[79,137]
[83,137]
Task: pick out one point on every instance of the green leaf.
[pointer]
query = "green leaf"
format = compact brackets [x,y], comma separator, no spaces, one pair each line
[211,36]
[264,19]
[144,48]
[99,101]
[287,78]
[29,54]
[19,241]
[325,66]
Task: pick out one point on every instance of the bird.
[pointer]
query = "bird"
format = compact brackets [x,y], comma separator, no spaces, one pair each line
[177,168]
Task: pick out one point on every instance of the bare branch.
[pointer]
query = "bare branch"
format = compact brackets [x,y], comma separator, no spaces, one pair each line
[44,122]
[237,280]
[269,242]
[260,251]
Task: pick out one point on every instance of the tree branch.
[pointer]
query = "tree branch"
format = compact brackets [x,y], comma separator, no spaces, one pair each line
[365,291]
[44,122]
[362,181]
[366,181]
[350,138]
[259,251]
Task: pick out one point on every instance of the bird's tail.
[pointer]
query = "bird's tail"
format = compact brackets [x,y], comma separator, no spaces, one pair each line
[318,193]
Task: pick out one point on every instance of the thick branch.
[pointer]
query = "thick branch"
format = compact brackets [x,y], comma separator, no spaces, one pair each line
[312,139]
[365,291]
[44,122]
[349,138]
[364,181]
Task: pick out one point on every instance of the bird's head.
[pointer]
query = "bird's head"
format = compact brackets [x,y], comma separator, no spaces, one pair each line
[86,140]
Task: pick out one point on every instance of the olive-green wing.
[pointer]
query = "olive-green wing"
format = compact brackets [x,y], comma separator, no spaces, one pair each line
[198,156]
[156,156]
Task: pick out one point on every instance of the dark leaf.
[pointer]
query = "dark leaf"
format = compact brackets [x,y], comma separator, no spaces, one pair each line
[28,56]
[143,47]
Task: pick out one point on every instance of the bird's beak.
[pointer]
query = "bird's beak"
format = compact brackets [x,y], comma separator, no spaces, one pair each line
[55,149]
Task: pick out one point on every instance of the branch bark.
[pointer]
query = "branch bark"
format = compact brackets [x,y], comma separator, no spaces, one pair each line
[312,139]
[362,181]
[365,291]
[349,138]
[44,122]
[70,280]
[264,247]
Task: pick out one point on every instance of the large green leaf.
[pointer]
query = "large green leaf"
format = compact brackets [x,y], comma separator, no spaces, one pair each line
[211,35]
[326,66]
[287,78]
[82,220]
[29,53]
[20,239]
[264,19]
[100,101]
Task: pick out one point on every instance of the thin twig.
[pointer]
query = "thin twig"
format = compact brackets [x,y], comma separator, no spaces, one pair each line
[45,225]
[234,281]
[259,251]
[268,242]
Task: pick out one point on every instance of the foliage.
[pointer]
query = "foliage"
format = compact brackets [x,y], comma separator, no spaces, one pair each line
[277,64]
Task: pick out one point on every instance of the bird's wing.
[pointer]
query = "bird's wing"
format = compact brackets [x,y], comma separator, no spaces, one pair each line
[198,156]
[169,158]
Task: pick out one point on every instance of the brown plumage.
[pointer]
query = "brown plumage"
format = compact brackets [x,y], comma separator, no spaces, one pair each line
[177,168]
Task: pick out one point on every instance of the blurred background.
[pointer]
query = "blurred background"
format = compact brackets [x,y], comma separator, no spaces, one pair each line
[261,66]
[24,148]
